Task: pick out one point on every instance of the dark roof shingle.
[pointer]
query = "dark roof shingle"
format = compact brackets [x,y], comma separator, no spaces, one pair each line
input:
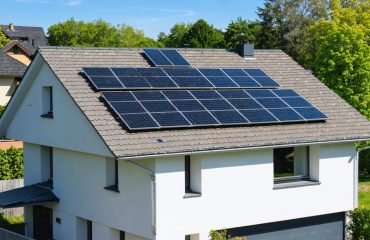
[344,122]
[11,67]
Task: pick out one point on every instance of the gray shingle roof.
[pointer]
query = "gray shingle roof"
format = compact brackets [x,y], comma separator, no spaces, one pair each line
[11,67]
[31,33]
[344,122]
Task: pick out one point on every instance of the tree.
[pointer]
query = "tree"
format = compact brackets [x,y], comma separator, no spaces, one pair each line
[240,30]
[338,52]
[203,35]
[176,36]
[96,34]
[3,39]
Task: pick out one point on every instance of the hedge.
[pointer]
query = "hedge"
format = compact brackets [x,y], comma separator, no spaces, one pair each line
[11,164]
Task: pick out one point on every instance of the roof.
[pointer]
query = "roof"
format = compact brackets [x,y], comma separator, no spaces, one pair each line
[10,67]
[28,195]
[25,46]
[32,33]
[344,122]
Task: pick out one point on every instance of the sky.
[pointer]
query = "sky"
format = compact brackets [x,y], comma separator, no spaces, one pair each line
[150,16]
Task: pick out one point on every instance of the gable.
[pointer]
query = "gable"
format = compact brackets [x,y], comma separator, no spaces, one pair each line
[69,129]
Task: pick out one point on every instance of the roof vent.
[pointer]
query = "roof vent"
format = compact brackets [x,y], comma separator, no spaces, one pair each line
[11,27]
[245,50]
[33,42]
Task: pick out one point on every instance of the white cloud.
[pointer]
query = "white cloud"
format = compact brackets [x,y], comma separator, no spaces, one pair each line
[73,2]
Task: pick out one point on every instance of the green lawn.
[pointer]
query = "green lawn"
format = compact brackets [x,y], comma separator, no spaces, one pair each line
[364,192]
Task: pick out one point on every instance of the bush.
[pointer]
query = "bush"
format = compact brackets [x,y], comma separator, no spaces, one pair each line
[2,109]
[222,235]
[11,164]
[359,224]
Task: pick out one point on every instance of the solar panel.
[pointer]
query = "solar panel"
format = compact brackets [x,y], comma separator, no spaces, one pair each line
[166,57]
[143,110]
[175,57]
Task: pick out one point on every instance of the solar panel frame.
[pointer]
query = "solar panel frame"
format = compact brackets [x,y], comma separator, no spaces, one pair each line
[175,57]
[157,57]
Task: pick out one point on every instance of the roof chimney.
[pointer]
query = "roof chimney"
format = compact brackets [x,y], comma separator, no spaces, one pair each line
[245,49]
[11,27]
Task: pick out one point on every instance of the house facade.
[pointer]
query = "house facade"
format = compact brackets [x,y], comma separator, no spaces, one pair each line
[91,178]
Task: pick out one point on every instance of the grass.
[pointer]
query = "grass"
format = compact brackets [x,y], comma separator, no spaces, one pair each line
[364,192]
[14,224]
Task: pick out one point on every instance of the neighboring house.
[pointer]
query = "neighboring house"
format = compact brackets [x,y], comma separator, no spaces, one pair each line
[88,177]
[16,56]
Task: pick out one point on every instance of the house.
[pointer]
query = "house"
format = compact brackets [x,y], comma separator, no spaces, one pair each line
[96,170]
[16,55]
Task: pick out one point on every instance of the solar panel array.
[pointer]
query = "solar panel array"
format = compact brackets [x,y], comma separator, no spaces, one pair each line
[166,57]
[141,110]
[175,78]
[174,95]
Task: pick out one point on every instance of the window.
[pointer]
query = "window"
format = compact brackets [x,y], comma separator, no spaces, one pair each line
[192,171]
[47,102]
[89,230]
[47,165]
[122,235]
[112,174]
[16,50]
[192,237]
[291,163]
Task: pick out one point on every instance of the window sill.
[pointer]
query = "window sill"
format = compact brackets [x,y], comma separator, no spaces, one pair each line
[113,188]
[294,184]
[192,195]
[48,115]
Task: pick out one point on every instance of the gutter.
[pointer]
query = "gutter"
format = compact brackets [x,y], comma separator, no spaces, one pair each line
[153,194]
[355,179]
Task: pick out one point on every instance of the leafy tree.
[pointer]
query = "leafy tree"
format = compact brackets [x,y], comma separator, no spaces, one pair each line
[176,36]
[3,39]
[11,164]
[240,30]
[203,35]
[130,37]
[338,52]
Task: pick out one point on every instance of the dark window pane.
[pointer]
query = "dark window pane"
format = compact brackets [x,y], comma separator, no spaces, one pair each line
[283,162]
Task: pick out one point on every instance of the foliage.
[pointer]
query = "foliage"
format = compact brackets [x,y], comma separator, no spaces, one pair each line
[6,219]
[3,39]
[240,30]
[222,235]
[2,109]
[97,34]
[364,191]
[359,224]
[203,35]
[338,53]
[11,163]
[176,36]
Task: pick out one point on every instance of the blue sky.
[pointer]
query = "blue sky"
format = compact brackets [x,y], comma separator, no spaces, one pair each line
[151,16]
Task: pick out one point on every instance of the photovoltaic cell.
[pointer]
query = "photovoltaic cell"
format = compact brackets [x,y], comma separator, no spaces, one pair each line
[161,82]
[212,72]
[151,72]
[222,82]
[166,57]
[139,121]
[188,105]
[258,116]
[173,119]
[98,71]
[126,72]
[234,72]
[182,72]
[285,93]
[255,72]
[145,96]
[118,96]
[156,56]
[216,104]
[134,82]
[296,102]
[246,82]
[192,82]
[233,93]
[311,113]
[158,106]
[272,102]
[285,114]
[245,103]
[202,118]
[266,82]
[175,57]
[128,107]
[229,117]
[105,82]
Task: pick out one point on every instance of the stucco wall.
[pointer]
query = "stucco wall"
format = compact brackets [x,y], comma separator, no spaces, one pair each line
[5,89]
[237,190]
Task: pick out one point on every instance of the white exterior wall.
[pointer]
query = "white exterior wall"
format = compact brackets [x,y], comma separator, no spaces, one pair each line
[237,190]
[6,90]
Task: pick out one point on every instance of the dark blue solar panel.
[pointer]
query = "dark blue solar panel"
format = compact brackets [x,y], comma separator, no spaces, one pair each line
[200,118]
[134,82]
[258,116]
[125,72]
[222,82]
[178,95]
[297,102]
[206,94]
[311,113]
[105,82]
[247,103]
[158,106]
[173,119]
[285,114]
[128,107]
[233,94]
[151,72]
[285,93]
[145,96]
[157,57]
[175,57]
[234,72]
[216,104]
[182,72]
[260,93]
[161,82]
[139,121]
[245,82]
[118,96]
[192,82]
[98,71]
[229,117]
[266,82]
[212,72]
[255,72]
[188,105]
[272,103]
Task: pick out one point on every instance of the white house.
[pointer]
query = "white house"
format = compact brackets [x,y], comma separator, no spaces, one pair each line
[89,177]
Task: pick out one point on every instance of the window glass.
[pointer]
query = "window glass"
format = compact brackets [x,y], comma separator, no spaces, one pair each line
[291,162]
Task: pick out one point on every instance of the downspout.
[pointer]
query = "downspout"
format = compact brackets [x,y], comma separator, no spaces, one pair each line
[153,194]
[356,175]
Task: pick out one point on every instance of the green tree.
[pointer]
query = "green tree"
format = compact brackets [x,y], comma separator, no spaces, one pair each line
[11,163]
[130,37]
[176,36]
[338,52]
[240,30]
[3,39]
[203,35]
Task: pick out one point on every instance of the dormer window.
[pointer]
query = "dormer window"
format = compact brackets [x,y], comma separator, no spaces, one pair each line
[47,102]
[16,49]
